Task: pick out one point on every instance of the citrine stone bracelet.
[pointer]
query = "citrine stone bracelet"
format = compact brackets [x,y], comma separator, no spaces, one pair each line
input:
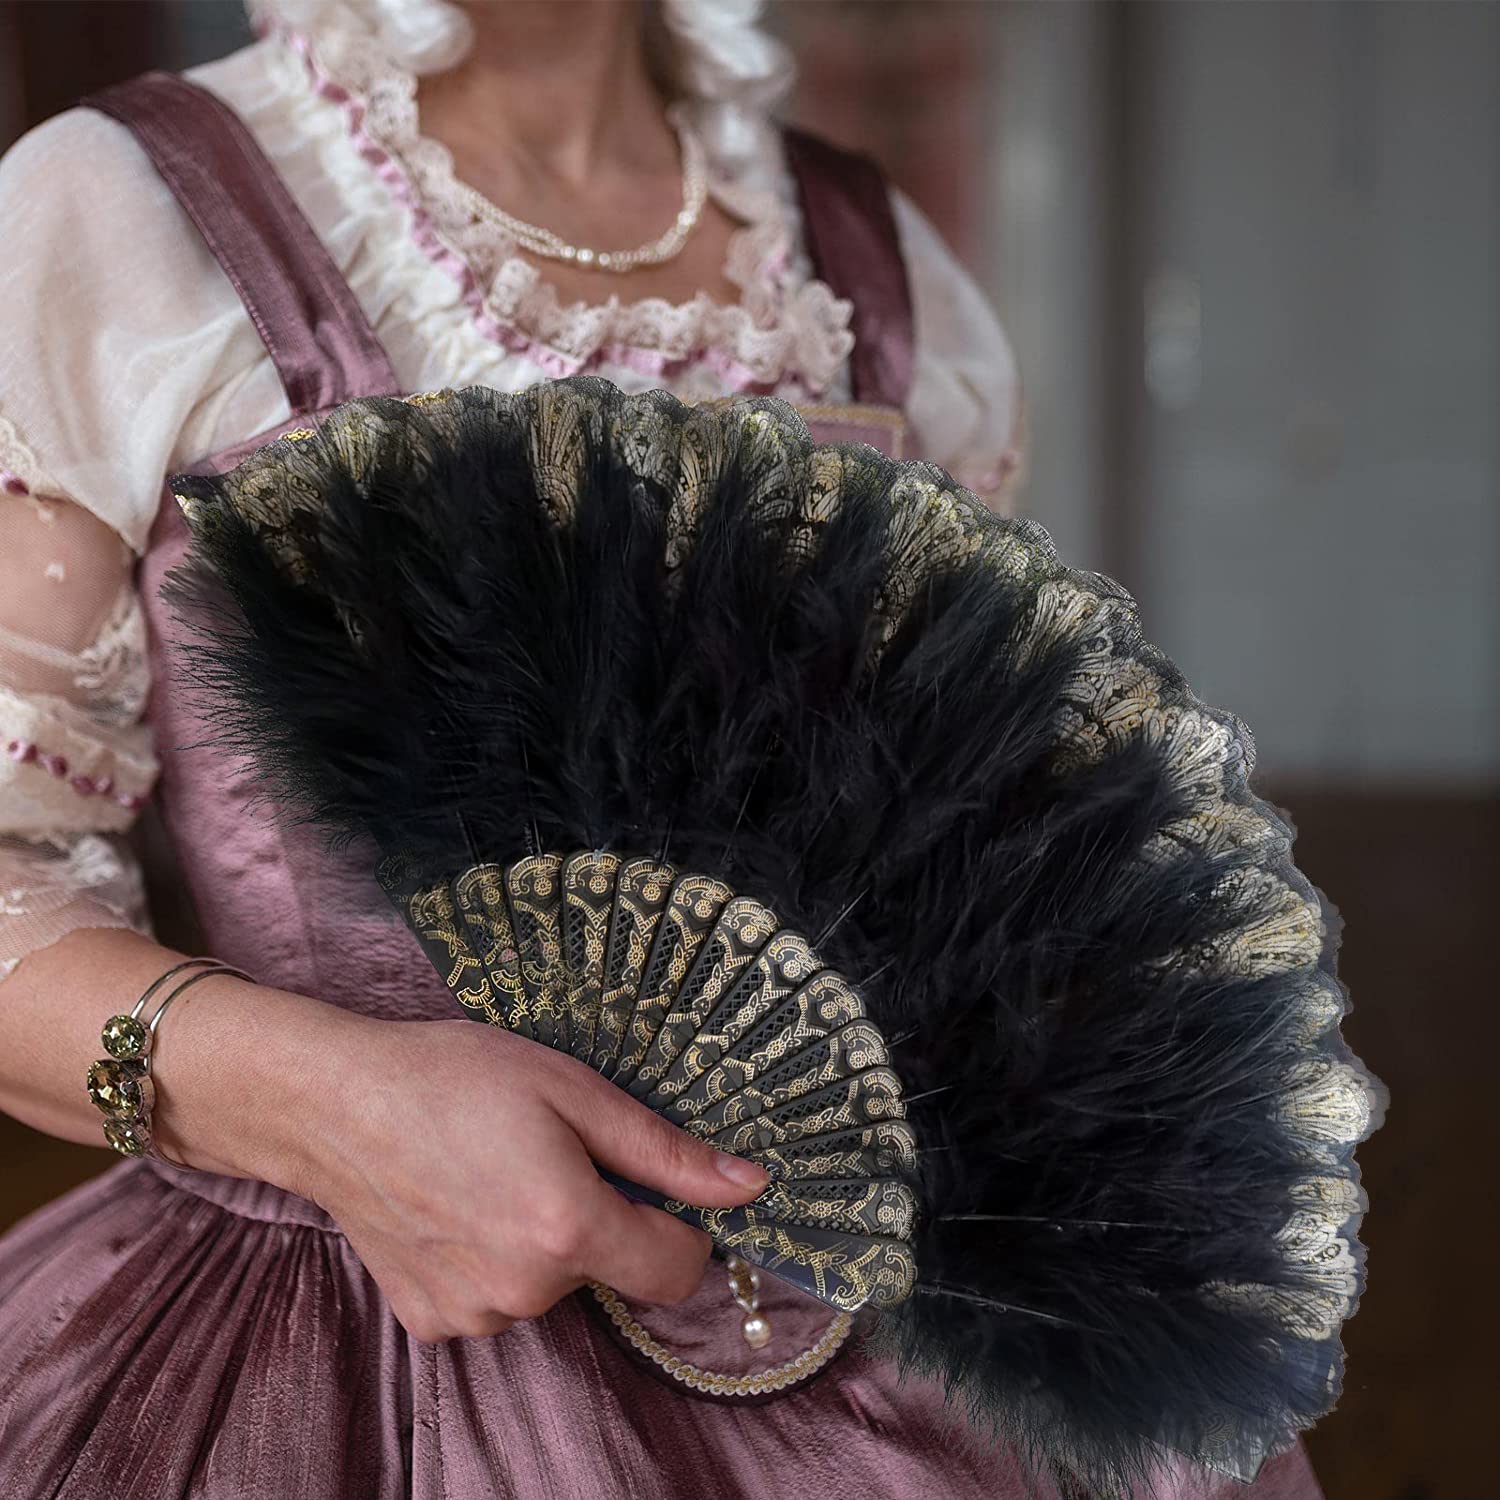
[120,1084]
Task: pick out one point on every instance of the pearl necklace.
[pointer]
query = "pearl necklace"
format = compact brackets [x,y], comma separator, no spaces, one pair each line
[544,243]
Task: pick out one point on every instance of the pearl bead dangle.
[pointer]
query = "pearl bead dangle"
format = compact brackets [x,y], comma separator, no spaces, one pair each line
[744,1287]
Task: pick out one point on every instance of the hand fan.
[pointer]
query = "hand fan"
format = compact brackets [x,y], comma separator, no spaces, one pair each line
[836,820]
[701,1005]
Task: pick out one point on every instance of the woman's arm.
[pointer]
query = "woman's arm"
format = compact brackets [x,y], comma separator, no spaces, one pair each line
[52,1009]
[459,1159]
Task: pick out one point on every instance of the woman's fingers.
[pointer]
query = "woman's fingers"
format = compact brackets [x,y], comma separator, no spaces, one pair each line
[623,1135]
[495,1209]
[641,1252]
[480,1325]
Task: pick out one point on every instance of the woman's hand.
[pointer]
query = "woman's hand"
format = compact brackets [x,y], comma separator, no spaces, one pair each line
[457,1158]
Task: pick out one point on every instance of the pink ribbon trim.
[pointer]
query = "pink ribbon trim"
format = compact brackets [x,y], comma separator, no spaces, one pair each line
[737,377]
[27,752]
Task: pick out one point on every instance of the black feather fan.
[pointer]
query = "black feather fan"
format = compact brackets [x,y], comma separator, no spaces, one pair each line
[478,629]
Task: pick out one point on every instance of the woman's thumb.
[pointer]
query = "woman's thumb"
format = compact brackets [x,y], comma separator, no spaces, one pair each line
[621,1134]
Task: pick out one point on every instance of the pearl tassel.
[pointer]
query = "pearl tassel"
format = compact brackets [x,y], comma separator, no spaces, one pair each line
[744,1287]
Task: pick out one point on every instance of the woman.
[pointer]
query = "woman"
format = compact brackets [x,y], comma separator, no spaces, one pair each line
[373,1192]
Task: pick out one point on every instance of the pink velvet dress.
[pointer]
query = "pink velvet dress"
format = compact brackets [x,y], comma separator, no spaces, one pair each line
[173,1334]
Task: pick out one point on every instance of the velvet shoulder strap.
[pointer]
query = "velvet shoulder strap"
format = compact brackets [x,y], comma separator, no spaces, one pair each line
[313,328]
[854,247]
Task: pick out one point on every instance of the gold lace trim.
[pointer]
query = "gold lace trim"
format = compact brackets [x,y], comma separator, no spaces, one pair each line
[712,1382]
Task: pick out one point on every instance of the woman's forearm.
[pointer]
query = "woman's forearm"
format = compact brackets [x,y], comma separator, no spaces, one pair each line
[459,1160]
[230,1058]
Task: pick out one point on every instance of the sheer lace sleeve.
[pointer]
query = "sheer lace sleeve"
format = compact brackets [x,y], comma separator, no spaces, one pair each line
[125,347]
[965,404]
[77,762]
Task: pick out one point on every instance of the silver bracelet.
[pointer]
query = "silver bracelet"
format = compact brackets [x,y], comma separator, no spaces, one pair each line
[121,1085]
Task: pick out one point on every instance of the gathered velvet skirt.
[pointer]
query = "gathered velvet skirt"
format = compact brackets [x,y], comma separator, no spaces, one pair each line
[167,1335]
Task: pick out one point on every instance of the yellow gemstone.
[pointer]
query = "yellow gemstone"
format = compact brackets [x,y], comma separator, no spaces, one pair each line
[115,1088]
[124,1036]
[123,1136]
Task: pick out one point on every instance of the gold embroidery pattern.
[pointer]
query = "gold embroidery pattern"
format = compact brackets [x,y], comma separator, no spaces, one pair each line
[700,1003]
[641,891]
[782,1014]
[695,903]
[848,1271]
[481,901]
[588,890]
[683,1047]
[531,888]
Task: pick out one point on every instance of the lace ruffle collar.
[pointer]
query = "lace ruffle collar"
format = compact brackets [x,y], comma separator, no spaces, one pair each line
[788,326]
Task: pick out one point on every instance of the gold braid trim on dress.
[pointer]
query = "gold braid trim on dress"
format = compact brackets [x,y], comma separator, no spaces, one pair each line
[711,1382]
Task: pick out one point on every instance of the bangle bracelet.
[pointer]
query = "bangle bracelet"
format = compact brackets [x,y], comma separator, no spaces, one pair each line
[121,1085]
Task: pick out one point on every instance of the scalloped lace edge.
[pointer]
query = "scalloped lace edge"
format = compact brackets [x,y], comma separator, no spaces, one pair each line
[20,471]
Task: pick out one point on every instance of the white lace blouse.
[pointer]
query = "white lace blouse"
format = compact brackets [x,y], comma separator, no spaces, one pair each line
[127,354]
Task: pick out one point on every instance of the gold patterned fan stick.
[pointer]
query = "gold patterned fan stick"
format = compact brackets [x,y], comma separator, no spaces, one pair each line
[857,1206]
[686,1040]
[760,1022]
[430,912]
[744,1124]
[712,1014]
[588,886]
[885,1149]
[781,1069]
[784,962]
[642,888]
[532,890]
[479,896]
[692,909]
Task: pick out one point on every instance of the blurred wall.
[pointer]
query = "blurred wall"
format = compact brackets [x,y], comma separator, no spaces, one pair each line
[1247,254]
[1319,535]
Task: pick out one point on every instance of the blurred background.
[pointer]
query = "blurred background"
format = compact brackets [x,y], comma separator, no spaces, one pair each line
[1249,255]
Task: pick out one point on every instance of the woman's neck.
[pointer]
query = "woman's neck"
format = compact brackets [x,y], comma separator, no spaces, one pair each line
[565,87]
[554,117]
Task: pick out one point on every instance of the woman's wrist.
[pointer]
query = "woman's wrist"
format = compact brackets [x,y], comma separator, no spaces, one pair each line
[242,1075]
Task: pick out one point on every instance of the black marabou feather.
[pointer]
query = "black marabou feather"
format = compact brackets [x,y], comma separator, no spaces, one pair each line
[462,675]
